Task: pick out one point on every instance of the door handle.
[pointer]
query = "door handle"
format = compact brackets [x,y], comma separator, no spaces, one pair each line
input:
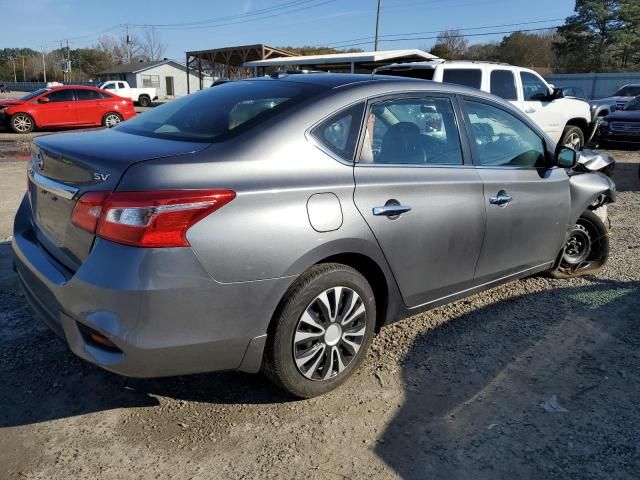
[530,110]
[502,198]
[391,210]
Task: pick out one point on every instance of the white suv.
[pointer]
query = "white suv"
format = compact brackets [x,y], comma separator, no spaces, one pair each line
[566,120]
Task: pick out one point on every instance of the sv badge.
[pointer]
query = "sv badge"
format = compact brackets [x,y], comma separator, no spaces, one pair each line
[101,177]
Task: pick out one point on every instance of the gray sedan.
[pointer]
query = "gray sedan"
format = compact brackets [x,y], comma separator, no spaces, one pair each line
[276,224]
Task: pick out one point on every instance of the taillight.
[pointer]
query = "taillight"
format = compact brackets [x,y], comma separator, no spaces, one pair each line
[147,219]
[87,210]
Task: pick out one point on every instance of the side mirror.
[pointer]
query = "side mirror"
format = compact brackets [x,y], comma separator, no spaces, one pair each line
[43,100]
[557,93]
[567,157]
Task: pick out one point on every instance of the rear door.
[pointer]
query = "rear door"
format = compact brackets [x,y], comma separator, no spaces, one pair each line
[89,106]
[60,110]
[420,194]
[527,203]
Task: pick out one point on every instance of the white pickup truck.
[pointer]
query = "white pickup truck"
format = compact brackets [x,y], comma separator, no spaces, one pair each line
[141,96]
[566,120]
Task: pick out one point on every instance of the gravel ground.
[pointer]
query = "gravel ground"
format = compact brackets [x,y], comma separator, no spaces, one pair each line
[458,392]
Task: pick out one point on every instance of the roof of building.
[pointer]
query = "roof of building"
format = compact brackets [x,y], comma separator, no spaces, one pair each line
[137,67]
[366,59]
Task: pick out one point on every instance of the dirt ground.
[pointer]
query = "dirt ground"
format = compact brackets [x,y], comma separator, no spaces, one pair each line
[456,393]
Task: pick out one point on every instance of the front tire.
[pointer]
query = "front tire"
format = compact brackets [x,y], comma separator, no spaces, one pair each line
[144,101]
[321,332]
[22,123]
[572,137]
[586,250]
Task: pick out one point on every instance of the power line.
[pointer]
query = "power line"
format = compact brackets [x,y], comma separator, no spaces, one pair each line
[441,30]
[455,36]
[254,13]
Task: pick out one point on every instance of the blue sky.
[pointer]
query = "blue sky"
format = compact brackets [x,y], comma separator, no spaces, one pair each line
[303,22]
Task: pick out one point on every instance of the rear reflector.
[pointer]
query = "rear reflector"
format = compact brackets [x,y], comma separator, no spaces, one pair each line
[147,219]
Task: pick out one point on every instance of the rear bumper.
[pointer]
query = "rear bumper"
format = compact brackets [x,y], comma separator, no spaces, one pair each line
[158,306]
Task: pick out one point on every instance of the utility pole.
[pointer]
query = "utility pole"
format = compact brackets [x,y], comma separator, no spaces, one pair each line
[24,73]
[128,42]
[377,26]
[68,61]
[15,79]
[44,67]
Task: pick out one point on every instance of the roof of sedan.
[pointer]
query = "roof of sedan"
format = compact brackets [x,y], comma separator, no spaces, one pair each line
[332,80]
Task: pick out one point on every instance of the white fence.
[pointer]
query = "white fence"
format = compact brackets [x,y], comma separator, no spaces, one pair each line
[595,85]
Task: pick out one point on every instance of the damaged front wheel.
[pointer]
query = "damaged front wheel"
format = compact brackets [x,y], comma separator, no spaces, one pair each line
[586,250]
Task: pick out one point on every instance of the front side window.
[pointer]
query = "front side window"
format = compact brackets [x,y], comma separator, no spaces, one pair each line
[415,131]
[339,133]
[469,77]
[503,84]
[110,86]
[503,140]
[215,114]
[628,91]
[533,87]
[65,95]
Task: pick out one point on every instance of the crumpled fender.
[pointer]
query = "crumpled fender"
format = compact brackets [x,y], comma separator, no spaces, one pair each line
[587,188]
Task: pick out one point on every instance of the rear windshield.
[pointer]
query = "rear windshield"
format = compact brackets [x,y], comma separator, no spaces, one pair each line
[216,114]
[421,73]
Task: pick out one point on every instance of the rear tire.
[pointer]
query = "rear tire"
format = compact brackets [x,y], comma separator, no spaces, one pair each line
[586,250]
[572,137]
[144,101]
[321,331]
[111,119]
[22,123]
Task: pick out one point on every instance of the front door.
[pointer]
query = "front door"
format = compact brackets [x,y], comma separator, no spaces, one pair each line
[59,110]
[420,195]
[169,82]
[527,203]
[546,114]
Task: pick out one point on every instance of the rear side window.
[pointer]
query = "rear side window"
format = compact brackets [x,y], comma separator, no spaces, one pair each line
[469,77]
[88,95]
[121,85]
[216,114]
[503,84]
[65,95]
[339,133]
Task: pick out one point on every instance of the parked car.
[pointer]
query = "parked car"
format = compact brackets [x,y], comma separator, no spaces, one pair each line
[622,125]
[602,107]
[141,96]
[212,234]
[574,92]
[4,88]
[66,106]
[566,120]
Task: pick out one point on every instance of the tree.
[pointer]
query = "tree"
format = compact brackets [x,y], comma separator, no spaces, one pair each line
[629,36]
[527,49]
[588,41]
[450,44]
[483,52]
[152,46]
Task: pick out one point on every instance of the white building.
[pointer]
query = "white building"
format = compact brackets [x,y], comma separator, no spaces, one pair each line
[167,76]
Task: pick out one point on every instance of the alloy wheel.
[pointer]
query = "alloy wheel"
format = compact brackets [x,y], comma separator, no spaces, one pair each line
[111,120]
[22,123]
[329,333]
[573,141]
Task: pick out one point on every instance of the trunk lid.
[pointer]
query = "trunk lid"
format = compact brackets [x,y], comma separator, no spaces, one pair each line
[64,167]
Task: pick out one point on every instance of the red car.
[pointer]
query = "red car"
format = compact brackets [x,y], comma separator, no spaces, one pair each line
[67,106]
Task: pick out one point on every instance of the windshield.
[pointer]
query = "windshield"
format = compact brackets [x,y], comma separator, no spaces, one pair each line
[628,91]
[215,114]
[31,95]
[633,104]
